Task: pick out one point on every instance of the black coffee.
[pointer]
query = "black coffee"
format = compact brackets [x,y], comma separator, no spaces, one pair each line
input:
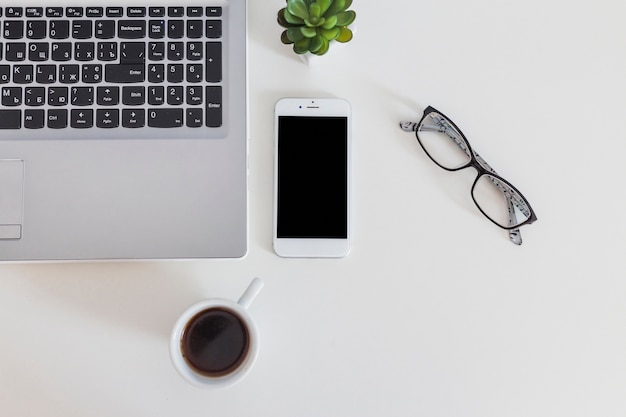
[215,342]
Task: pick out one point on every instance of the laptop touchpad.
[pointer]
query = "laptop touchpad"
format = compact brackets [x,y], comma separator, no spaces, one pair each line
[11,198]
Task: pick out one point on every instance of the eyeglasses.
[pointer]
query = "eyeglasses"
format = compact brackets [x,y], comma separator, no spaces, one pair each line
[494,196]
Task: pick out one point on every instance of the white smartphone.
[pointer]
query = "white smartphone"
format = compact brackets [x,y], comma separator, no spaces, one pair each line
[312,164]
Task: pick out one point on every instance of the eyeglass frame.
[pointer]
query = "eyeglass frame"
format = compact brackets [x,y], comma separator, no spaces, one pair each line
[482,168]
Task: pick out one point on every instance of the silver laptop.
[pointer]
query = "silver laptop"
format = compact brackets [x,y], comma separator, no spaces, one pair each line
[123,130]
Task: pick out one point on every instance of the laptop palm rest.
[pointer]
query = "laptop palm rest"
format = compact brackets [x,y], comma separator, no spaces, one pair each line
[11,198]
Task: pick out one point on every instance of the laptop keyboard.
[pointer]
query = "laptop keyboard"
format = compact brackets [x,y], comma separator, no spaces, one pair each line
[96,71]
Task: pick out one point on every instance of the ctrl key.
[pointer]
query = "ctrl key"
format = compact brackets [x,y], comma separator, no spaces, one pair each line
[10,119]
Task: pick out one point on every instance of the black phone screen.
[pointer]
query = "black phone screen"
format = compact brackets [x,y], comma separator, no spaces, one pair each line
[312,192]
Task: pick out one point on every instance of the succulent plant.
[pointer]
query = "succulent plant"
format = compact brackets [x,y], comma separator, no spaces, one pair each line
[310,25]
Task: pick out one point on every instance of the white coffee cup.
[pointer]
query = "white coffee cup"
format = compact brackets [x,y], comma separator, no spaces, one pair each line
[238,309]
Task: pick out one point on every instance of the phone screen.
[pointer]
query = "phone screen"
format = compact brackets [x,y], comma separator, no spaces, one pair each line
[312,196]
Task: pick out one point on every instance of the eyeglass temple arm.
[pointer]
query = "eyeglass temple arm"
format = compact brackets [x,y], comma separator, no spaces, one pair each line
[514,234]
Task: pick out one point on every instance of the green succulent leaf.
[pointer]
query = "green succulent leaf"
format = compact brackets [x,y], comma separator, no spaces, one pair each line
[286,19]
[308,32]
[347,5]
[302,46]
[314,11]
[345,35]
[336,7]
[331,34]
[324,5]
[298,8]
[345,18]
[324,47]
[316,43]
[294,34]
[284,38]
[330,22]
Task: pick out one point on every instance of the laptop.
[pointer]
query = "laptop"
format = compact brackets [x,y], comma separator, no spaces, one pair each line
[123,130]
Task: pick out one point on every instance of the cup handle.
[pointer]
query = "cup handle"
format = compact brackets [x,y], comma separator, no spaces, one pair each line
[251,292]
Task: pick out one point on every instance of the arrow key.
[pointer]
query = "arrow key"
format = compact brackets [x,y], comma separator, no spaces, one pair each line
[81,118]
[133,118]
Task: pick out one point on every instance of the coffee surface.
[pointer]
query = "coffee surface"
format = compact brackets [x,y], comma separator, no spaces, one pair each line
[215,342]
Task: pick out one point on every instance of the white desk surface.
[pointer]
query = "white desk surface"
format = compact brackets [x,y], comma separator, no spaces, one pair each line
[434,313]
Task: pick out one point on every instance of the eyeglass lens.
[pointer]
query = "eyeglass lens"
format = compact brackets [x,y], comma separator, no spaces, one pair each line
[496,199]
[442,142]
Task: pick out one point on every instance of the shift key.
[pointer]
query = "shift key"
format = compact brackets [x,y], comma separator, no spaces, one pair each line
[124,73]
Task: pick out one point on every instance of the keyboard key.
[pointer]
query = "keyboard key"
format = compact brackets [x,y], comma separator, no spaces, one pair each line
[46,74]
[175,73]
[14,12]
[35,96]
[108,96]
[194,117]
[131,29]
[61,51]
[34,118]
[213,11]
[74,12]
[36,29]
[13,29]
[175,11]
[10,119]
[156,51]
[81,118]
[133,118]
[195,11]
[157,29]
[81,29]
[69,73]
[156,73]
[107,118]
[156,95]
[213,60]
[82,96]
[84,51]
[34,12]
[194,29]
[133,95]
[135,11]
[54,11]
[23,74]
[194,73]
[156,11]
[15,51]
[132,53]
[59,29]
[125,73]
[165,118]
[94,12]
[213,29]
[107,51]
[57,118]
[11,96]
[92,73]
[175,29]
[213,106]
[38,51]
[105,29]
[175,95]
[5,74]
[57,96]
[115,11]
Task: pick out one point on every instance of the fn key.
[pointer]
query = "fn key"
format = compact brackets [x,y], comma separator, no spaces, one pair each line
[213,106]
